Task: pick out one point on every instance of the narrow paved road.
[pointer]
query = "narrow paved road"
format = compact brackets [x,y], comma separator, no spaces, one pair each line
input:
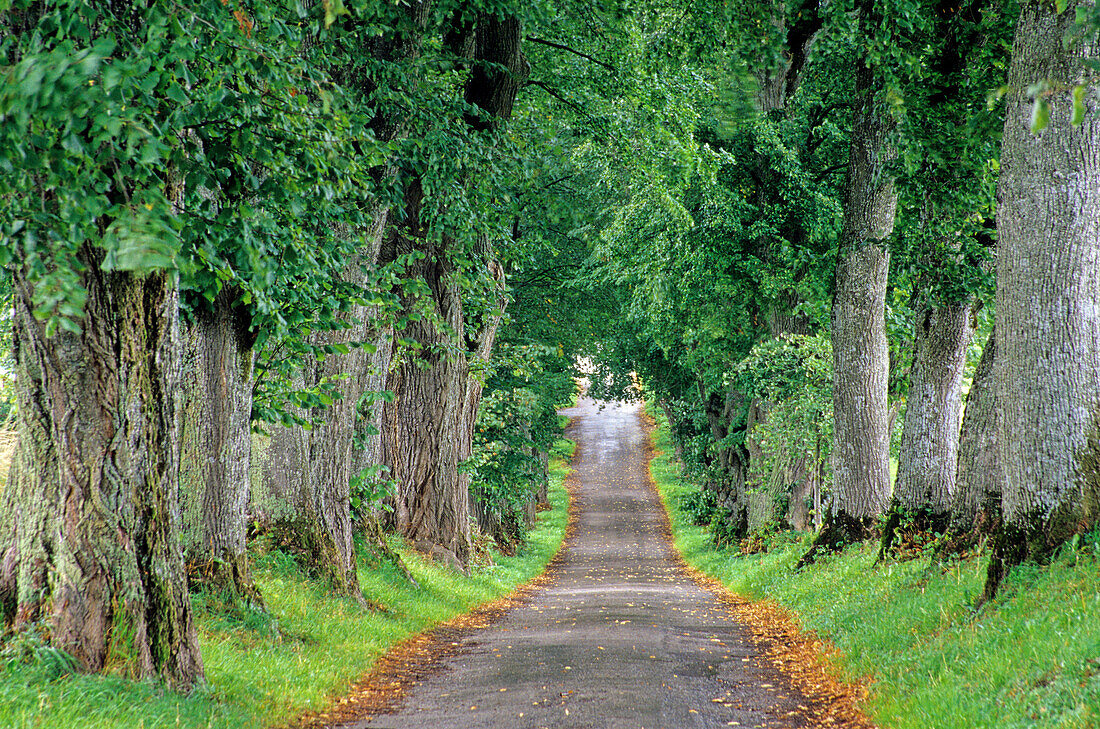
[620,637]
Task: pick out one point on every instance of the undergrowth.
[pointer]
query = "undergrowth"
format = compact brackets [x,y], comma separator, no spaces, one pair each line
[263,669]
[1031,658]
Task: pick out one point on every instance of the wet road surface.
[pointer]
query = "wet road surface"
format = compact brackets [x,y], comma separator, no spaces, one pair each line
[621,636]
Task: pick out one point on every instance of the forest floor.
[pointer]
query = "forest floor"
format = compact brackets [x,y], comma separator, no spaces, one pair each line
[618,633]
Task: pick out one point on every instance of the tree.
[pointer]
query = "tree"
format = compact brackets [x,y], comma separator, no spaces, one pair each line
[1048,282]
[342,334]
[428,427]
[91,519]
[949,143]
[91,523]
[861,451]
[215,442]
[976,505]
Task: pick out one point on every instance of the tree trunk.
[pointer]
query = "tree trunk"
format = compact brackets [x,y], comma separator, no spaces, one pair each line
[861,359]
[723,412]
[90,517]
[1048,285]
[976,507]
[479,352]
[308,472]
[930,435]
[216,447]
[421,427]
[428,427]
[779,498]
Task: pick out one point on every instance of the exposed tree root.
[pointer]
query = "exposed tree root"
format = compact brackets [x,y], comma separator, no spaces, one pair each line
[906,533]
[838,531]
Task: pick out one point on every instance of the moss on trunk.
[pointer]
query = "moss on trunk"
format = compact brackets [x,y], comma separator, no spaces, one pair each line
[89,522]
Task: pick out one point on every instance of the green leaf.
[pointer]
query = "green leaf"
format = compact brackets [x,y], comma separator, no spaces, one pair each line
[1040,115]
[1078,105]
[178,95]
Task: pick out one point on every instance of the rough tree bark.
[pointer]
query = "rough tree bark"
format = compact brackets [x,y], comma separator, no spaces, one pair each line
[976,506]
[725,412]
[89,523]
[216,447]
[427,429]
[929,446]
[420,427]
[930,435]
[1048,286]
[861,360]
[309,471]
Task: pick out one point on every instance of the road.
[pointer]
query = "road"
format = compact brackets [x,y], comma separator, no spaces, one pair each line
[621,636]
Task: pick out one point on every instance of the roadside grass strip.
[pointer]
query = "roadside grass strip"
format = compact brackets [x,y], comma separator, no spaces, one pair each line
[264,670]
[1031,658]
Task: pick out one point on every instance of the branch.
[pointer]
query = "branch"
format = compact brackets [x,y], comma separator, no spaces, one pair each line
[830,170]
[574,51]
[547,186]
[576,107]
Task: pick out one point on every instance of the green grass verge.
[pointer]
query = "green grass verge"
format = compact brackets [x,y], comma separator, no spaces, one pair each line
[259,677]
[1029,659]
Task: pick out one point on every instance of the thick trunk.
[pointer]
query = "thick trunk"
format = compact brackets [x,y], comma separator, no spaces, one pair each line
[427,429]
[976,507]
[90,517]
[1048,285]
[422,427]
[306,474]
[861,359]
[777,82]
[216,447]
[930,435]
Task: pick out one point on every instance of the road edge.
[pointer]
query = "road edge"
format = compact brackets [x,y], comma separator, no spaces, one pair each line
[799,656]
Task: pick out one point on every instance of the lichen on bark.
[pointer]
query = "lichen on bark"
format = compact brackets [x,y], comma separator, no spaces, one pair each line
[89,522]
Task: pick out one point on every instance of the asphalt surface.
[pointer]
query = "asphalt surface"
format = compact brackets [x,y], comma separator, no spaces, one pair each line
[620,637]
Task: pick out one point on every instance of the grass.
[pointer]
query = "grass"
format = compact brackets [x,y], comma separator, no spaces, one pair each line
[258,676]
[1031,658]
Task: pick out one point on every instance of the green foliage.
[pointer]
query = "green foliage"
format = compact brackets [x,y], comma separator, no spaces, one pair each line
[29,650]
[368,489]
[701,506]
[517,421]
[794,375]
